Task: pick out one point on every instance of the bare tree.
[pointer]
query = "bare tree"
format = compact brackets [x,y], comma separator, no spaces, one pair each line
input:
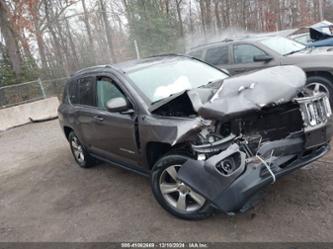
[67,39]
[86,22]
[11,39]
[179,14]
[108,31]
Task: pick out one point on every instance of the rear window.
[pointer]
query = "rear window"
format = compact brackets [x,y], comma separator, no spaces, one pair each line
[86,91]
[72,92]
[217,55]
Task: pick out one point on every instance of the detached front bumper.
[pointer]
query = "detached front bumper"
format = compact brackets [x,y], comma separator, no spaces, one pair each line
[237,191]
[240,195]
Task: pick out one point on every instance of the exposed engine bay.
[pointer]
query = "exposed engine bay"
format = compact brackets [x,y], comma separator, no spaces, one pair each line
[270,127]
[247,108]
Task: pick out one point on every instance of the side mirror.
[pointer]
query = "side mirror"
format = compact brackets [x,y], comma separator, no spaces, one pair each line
[117,105]
[262,58]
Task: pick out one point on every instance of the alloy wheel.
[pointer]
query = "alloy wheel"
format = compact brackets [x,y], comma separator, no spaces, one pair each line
[177,194]
[317,87]
[77,150]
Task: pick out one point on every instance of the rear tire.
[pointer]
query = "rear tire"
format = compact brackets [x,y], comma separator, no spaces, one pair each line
[81,155]
[181,201]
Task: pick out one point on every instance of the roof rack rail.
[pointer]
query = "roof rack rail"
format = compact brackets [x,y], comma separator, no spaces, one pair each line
[91,68]
[166,54]
[211,43]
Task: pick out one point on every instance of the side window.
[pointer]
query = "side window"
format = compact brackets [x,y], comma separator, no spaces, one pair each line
[245,53]
[72,93]
[218,55]
[86,91]
[196,54]
[106,90]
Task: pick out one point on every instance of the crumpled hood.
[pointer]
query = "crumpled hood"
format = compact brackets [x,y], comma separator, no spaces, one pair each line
[251,92]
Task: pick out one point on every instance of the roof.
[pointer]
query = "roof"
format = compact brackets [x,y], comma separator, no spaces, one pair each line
[248,38]
[132,65]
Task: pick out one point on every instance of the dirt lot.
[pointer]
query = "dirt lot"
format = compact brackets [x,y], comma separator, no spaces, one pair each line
[44,196]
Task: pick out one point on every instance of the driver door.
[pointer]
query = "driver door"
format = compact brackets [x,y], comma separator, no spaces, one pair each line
[115,131]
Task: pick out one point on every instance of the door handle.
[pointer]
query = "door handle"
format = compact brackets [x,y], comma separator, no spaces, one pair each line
[98,118]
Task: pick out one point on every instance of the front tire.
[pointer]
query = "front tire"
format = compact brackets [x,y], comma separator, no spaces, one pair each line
[175,196]
[321,84]
[81,156]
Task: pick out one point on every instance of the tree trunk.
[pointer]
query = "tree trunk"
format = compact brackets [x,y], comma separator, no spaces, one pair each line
[75,58]
[179,14]
[203,19]
[321,10]
[86,23]
[167,7]
[57,45]
[208,16]
[39,36]
[27,51]
[191,18]
[11,40]
[63,42]
[280,13]
[217,15]
[108,32]
[41,49]
[226,16]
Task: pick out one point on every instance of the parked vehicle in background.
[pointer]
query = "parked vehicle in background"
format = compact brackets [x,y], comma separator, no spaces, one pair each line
[206,140]
[306,40]
[259,52]
[303,38]
[317,35]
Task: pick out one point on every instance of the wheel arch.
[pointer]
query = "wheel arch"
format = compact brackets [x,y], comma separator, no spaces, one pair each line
[325,74]
[67,131]
[155,150]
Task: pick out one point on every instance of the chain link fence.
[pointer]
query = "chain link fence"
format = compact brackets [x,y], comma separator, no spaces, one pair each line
[17,94]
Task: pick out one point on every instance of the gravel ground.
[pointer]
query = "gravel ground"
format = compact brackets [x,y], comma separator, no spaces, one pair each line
[44,196]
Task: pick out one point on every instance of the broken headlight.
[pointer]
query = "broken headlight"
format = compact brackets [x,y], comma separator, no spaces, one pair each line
[228,165]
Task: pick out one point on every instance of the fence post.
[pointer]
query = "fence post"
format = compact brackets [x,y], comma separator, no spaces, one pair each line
[42,88]
[137,49]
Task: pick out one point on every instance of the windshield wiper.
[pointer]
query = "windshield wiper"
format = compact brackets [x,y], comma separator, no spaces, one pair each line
[295,51]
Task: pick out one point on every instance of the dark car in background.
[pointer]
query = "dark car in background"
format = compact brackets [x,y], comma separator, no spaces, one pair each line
[259,52]
[206,140]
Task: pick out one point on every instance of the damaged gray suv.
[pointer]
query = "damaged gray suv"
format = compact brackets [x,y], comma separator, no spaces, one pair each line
[207,141]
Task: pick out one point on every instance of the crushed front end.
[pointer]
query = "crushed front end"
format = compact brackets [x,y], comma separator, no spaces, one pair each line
[238,156]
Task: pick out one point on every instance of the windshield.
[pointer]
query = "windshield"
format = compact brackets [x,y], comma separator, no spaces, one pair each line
[161,80]
[282,45]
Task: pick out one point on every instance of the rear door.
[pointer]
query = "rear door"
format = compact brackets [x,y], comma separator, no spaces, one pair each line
[218,56]
[243,58]
[85,105]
